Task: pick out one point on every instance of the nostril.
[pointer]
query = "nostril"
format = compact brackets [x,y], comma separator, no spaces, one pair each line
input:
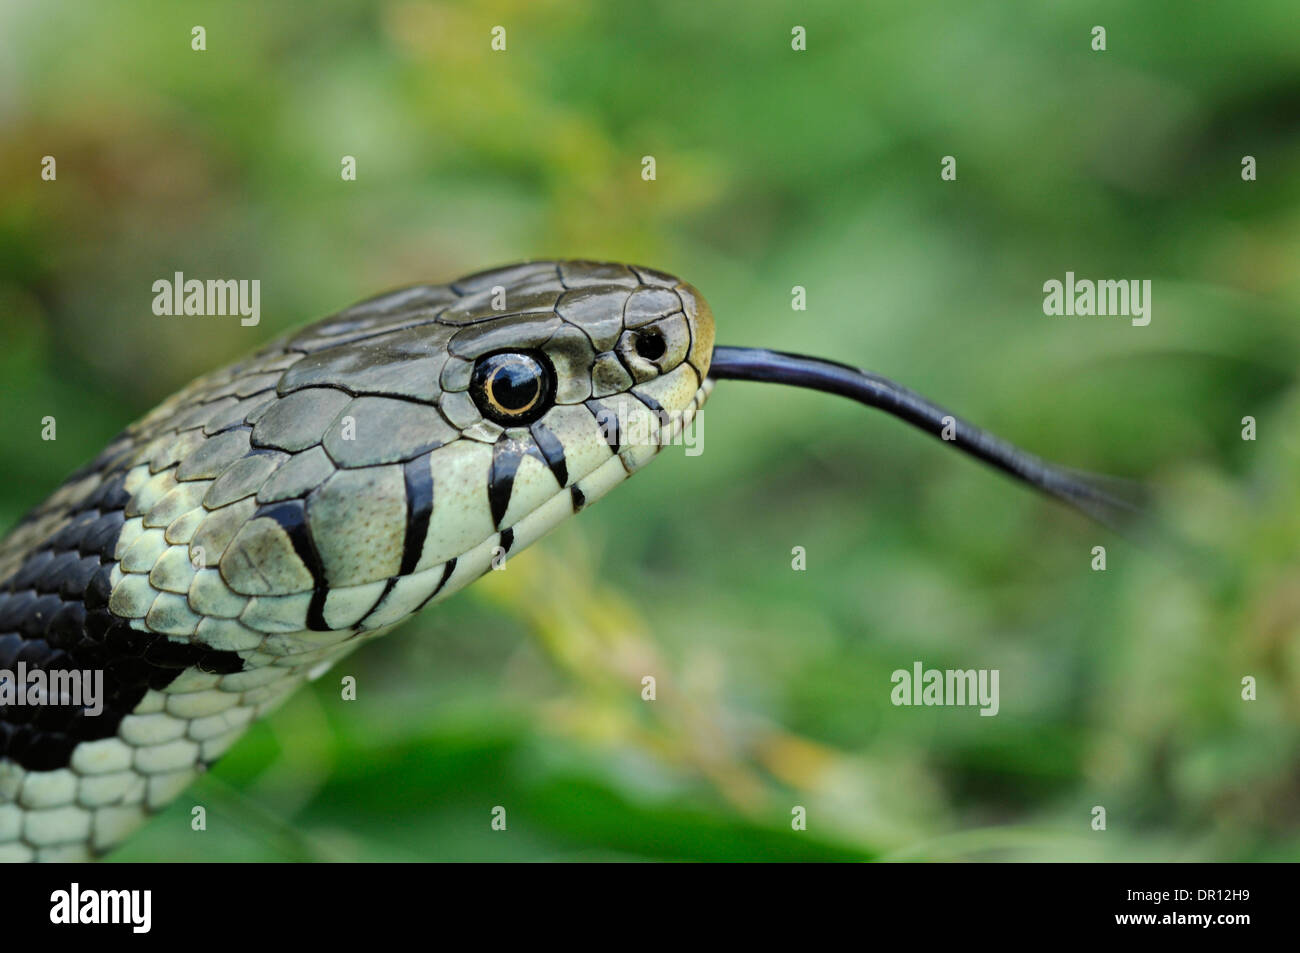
[650,344]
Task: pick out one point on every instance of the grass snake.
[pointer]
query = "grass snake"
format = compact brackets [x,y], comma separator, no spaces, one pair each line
[273,515]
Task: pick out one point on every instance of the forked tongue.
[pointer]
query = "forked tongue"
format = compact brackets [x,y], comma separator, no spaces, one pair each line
[1113,502]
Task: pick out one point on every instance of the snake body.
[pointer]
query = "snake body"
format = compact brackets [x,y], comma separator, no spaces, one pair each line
[267,519]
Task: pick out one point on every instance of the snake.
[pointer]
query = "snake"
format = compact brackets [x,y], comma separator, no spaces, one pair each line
[272,516]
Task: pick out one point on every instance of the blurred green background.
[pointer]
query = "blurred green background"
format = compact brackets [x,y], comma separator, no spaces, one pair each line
[775,168]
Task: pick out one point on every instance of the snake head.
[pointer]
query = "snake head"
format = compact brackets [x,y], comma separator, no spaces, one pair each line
[355,470]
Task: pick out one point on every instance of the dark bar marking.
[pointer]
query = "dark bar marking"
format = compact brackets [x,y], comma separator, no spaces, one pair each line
[552,451]
[388,587]
[292,517]
[419,508]
[607,421]
[447,569]
[506,455]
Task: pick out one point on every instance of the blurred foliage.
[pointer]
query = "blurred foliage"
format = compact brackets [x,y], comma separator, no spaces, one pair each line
[775,169]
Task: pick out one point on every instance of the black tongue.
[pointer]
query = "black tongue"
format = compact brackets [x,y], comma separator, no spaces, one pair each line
[1113,502]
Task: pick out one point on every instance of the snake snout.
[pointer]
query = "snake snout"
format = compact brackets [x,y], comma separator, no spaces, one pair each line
[699,318]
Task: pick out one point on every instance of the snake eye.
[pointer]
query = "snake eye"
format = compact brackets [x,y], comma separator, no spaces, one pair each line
[650,344]
[512,388]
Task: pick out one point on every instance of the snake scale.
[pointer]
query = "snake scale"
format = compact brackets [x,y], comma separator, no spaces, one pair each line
[273,515]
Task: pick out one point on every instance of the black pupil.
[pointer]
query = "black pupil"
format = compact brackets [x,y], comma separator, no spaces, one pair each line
[514,383]
[513,388]
[650,345]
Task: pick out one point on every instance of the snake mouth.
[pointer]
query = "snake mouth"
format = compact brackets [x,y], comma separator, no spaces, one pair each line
[1111,501]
